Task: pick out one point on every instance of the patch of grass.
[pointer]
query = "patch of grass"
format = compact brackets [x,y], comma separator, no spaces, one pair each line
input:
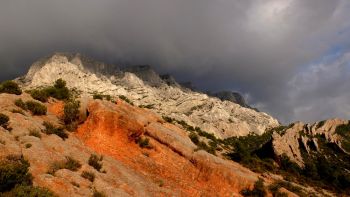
[96,162]
[10,87]
[36,108]
[69,164]
[88,175]
[51,129]
[35,133]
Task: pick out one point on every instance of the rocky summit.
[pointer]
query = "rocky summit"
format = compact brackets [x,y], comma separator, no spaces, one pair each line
[77,127]
[144,87]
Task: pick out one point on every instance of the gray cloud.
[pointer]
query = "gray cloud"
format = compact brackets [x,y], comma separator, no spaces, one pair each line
[266,49]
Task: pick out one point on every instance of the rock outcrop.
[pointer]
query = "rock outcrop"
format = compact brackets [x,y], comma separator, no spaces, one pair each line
[169,166]
[305,137]
[145,87]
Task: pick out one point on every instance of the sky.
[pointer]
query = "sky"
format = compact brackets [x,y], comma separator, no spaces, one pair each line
[289,58]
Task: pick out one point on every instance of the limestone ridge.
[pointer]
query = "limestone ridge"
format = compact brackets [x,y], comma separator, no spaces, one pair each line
[144,86]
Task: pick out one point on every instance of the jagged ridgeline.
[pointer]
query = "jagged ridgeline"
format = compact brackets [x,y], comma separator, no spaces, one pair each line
[144,87]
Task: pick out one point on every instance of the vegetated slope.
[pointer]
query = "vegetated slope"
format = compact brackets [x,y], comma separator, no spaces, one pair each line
[316,154]
[131,165]
[115,149]
[145,88]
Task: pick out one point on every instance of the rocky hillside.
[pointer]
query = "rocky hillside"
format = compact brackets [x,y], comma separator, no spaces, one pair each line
[65,145]
[145,88]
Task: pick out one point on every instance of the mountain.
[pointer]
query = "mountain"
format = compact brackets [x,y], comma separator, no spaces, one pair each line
[77,127]
[144,87]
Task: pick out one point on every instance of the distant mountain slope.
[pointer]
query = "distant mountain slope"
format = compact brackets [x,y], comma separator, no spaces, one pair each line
[144,87]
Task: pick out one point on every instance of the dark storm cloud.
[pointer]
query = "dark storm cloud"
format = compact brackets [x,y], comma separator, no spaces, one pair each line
[264,48]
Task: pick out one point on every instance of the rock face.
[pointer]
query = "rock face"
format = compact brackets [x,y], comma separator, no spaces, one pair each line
[171,159]
[144,87]
[168,166]
[305,137]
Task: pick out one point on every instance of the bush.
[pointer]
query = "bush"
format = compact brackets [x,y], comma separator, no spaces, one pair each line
[4,119]
[71,111]
[13,171]
[51,129]
[10,87]
[19,103]
[72,164]
[29,191]
[194,138]
[36,108]
[35,133]
[97,96]
[69,164]
[28,145]
[124,98]
[98,194]
[88,175]
[39,95]
[258,191]
[144,142]
[58,91]
[96,162]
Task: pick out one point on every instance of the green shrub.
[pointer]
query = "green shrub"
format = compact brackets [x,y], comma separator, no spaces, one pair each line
[10,87]
[60,83]
[51,129]
[39,95]
[97,96]
[36,108]
[28,191]
[71,111]
[168,119]
[35,133]
[4,119]
[259,190]
[124,98]
[95,161]
[72,164]
[194,138]
[19,103]
[88,175]
[149,106]
[13,171]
